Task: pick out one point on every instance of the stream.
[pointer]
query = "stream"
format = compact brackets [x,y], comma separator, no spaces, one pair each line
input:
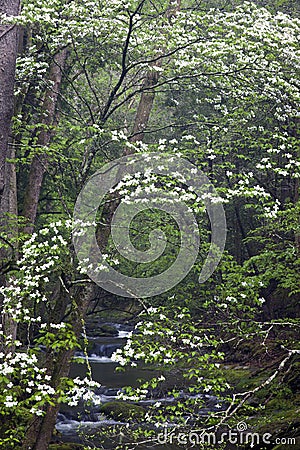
[75,421]
[72,419]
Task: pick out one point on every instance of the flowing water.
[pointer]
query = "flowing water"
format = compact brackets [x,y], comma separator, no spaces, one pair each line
[73,421]
[70,419]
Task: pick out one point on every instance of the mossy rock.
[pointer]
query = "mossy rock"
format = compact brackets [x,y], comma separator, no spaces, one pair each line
[107,330]
[66,446]
[238,377]
[123,411]
[281,425]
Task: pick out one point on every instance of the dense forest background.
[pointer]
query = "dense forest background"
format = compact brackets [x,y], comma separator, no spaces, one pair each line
[83,83]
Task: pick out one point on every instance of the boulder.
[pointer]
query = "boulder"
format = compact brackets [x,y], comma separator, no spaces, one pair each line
[66,446]
[123,411]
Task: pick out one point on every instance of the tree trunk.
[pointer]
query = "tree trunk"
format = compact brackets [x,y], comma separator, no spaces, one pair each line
[8,191]
[40,162]
[40,430]
[297,188]
[144,108]
[8,55]
[148,94]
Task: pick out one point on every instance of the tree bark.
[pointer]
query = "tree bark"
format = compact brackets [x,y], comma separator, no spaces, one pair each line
[148,94]
[40,162]
[8,190]
[8,55]
[295,133]
[39,433]
[144,107]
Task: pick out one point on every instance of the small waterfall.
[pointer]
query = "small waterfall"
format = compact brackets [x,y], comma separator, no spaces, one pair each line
[104,349]
[101,347]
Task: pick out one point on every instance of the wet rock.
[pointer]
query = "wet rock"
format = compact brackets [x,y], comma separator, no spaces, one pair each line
[66,446]
[123,411]
[107,330]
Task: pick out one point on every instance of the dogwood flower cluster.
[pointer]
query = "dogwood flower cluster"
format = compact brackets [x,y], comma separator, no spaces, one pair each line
[170,340]
[83,390]
[166,341]
[40,254]
[24,382]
